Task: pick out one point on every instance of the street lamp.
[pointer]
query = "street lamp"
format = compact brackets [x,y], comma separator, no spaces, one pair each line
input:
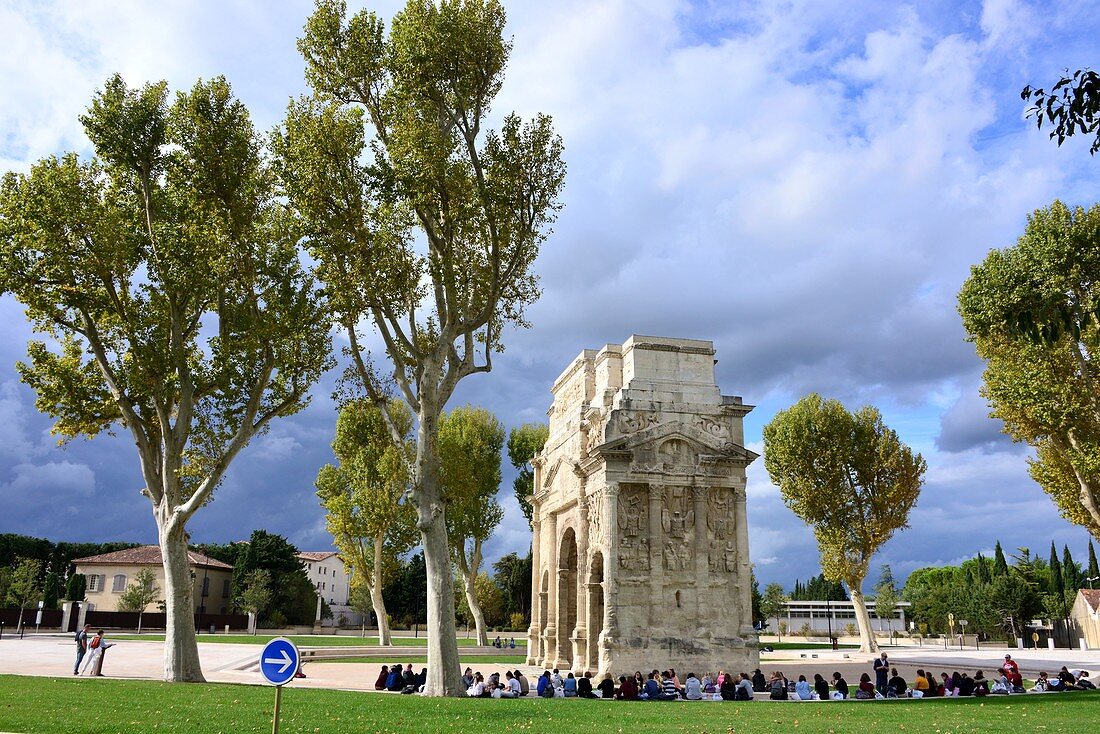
[1091,579]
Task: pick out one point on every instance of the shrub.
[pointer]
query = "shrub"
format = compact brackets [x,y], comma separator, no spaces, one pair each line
[517,621]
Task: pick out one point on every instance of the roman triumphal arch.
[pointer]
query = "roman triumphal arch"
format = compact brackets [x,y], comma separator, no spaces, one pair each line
[641,547]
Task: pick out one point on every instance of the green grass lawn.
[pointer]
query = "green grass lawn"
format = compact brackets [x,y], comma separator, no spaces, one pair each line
[314,641]
[102,706]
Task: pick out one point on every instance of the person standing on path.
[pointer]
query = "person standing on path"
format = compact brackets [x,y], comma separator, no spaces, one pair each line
[81,647]
[882,673]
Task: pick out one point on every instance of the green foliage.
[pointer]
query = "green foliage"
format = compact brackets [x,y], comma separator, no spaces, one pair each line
[1031,311]
[846,475]
[523,443]
[1071,106]
[757,599]
[772,602]
[1000,565]
[254,592]
[488,598]
[818,588]
[362,495]
[56,556]
[76,587]
[293,596]
[470,444]
[26,583]
[406,593]
[512,575]
[1093,571]
[5,582]
[886,595]
[140,593]
[51,589]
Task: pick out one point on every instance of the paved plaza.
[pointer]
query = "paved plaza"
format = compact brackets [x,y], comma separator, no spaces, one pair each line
[53,655]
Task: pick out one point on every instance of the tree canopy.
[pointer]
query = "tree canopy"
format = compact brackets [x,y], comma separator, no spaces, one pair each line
[850,478]
[1032,312]
[363,498]
[523,443]
[165,279]
[425,223]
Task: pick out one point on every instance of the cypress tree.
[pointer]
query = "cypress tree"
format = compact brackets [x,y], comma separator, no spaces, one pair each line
[1071,572]
[1000,565]
[983,569]
[1055,582]
[1094,567]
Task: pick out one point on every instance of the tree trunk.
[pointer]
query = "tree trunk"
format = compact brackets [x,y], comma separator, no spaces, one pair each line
[863,619]
[181,650]
[444,673]
[376,599]
[139,620]
[468,580]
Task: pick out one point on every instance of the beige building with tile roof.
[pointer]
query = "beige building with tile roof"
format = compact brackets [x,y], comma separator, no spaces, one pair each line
[109,574]
[1085,618]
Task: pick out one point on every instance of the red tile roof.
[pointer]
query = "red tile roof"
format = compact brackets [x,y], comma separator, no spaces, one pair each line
[316,555]
[1092,598]
[148,555]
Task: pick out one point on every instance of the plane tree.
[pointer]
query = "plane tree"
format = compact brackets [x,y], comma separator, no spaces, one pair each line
[425,224]
[165,281]
[851,479]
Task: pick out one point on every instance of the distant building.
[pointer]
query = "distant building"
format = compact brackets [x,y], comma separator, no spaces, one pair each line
[822,616]
[328,575]
[109,574]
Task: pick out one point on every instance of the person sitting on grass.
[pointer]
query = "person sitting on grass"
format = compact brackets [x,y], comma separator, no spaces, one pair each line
[895,687]
[778,687]
[524,684]
[981,685]
[840,685]
[477,690]
[728,689]
[669,689]
[1042,684]
[1067,679]
[607,687]
[866,688]
[468,678]
[1002,684]
[584,686]
[545,688]
[821,687]
[693,689]
[556,679]
[759,683]
[1083,682]
[380,682]
[393,680]
[511,686]
[652,690]
[570,686]
[966,684]
[628,690]
[744,687]
[949,688]
[709,686]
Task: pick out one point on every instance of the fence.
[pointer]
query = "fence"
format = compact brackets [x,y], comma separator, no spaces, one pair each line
[10,617]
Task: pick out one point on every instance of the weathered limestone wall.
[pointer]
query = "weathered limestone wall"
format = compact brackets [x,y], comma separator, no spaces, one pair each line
[641,536]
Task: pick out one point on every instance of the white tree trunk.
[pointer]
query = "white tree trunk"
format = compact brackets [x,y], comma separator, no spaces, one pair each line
[376,599]
[468,580]
[181,652]
[444,673]
[863,619]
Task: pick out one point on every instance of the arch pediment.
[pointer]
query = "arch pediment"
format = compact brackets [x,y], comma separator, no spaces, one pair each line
[676,440]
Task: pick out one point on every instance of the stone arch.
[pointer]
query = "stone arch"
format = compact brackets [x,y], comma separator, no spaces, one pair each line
[567,594]
[595,610]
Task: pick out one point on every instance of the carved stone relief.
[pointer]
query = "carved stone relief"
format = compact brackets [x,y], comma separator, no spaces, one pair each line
[712,427]
[633,522]
[632,423]
[678,522]
[595,519]
[721,518]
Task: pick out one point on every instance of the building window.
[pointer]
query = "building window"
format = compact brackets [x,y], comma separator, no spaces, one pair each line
[225,589]
[119,583]
[322,586]
[94,583]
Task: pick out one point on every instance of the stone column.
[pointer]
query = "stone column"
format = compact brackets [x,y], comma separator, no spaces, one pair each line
[534,641]
[580,641]
[744,568]
[550,629]
[610,633]
[657,610]
[702,551]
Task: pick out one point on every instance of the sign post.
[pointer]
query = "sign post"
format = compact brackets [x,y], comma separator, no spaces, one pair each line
[279,663]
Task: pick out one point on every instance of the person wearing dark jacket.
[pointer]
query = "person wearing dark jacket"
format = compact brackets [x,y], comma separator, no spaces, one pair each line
[840,684]
[896,684]
[380,683]
[584,686]
[728,689]
[393,680]
[607,687]
[628,689]
[821,686]
[759,682]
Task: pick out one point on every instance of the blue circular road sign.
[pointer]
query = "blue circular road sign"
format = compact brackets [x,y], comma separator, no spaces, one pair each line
[279,661]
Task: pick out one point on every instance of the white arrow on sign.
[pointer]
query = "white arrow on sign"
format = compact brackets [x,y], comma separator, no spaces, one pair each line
[286,661]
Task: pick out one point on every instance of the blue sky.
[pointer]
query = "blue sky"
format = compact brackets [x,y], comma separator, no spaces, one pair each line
[804,183]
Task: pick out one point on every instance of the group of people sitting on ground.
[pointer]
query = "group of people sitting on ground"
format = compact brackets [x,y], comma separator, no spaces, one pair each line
[401,680]
[1007,681]
[500,644]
